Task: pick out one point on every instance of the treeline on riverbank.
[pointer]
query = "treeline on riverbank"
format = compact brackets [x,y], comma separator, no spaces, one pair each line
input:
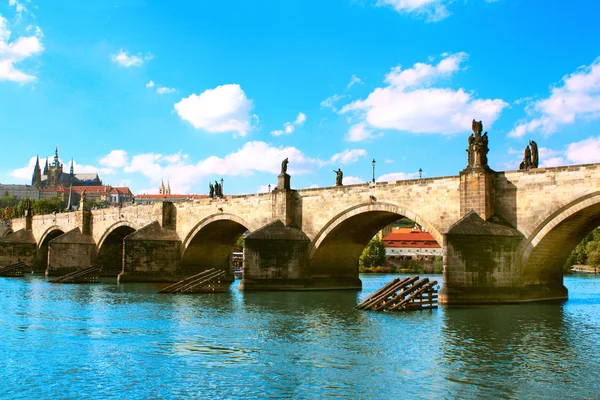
[587,252]
[11,207]
[373,260]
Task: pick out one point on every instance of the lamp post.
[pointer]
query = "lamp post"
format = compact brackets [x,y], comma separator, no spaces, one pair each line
[373,164]
[420,172]
[221,186]
[269,188]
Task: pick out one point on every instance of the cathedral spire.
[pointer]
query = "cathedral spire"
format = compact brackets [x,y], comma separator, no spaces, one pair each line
[161,189]
[168,187]
[36,179]
[46,168]
[56,161]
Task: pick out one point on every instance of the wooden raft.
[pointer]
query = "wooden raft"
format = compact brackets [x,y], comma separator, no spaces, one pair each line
[203,282]
[13,270]
[86,275]
[404,294]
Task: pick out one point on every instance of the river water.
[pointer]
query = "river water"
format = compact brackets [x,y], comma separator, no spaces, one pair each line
[126,341]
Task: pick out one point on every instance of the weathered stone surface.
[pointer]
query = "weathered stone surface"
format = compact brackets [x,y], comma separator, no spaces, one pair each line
[70,252]
[151,254]
[18,247]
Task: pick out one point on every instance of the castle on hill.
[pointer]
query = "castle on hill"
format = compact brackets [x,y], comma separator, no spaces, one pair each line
[53,176]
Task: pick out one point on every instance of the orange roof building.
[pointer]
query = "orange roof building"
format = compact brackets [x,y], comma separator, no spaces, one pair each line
[411,242]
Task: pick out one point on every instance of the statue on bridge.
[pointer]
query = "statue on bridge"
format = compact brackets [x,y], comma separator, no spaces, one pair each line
[535,157]
[478,147]
[211,190]
[218,190]
[284,165]
[82,201]
[526,163]
[339,175]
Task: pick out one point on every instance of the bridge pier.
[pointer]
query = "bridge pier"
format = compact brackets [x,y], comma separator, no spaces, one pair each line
[19,246]
[70,252]
[151,254]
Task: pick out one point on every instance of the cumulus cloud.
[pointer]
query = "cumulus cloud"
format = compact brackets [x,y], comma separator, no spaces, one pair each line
[409,103]
[116,159]
[360,132]
[397,176]
[125,60]
[17,51]
[576,97]
[347,156]
[150,84]
[585,151]
[352,180]
[266,188]
[432,10]
[290,127]
[222,109]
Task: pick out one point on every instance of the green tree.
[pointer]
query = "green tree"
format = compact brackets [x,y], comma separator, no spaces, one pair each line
[48,205]
[373,255]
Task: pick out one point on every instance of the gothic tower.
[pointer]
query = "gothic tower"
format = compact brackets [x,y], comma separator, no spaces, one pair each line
[55,170]
[36,180]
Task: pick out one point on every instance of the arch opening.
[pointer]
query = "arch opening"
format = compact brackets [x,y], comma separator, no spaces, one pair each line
[336,252]
[548,250]
[211,247]
[43,248]
[110,252]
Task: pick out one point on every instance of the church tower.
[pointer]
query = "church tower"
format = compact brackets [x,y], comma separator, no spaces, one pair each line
[161,188]
[45,173]
[36,180]
[55,170]
[168,188]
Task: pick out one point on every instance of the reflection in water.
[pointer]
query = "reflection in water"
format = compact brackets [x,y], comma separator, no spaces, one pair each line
[114,340]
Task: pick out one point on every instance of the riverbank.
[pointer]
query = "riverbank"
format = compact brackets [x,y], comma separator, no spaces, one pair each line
[585,269]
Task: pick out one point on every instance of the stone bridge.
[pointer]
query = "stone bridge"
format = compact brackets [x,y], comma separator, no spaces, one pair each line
[505,235]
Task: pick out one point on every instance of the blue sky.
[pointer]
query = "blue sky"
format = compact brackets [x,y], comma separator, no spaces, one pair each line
[194,91]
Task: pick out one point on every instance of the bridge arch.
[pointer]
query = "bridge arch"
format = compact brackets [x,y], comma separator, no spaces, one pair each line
[109,249]
[209,244]
[42,254]
[549,245]
[335,250]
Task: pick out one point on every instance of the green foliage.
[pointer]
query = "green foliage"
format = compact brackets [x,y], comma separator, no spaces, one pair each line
[438,264]
[586,252]
[8,201]
[373,255]
[47,206]
[92,204]
[239,243]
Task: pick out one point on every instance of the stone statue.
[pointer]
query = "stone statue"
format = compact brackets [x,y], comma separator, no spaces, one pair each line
[82,201]
[478,147]
[211,189]
[284,165]
[535,158]
[217,189]
[339,175]
[526,163]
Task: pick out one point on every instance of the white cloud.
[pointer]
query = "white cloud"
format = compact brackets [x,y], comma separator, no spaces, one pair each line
[433,10]
[407,103]
[347,156]
[150,84]
[397,176]
[125,60]
[26,173]
[116,159]
[165,90]
[300,119]
[330,102]
[15,52]
[352,180]
[388,161]
[222,109]
[585,151]
[360,132]
[313,186]
[353,81]
[577,97]
[90,169]
[290,127]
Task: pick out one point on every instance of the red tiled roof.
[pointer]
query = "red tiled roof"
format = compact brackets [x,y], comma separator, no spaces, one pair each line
[412,238]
